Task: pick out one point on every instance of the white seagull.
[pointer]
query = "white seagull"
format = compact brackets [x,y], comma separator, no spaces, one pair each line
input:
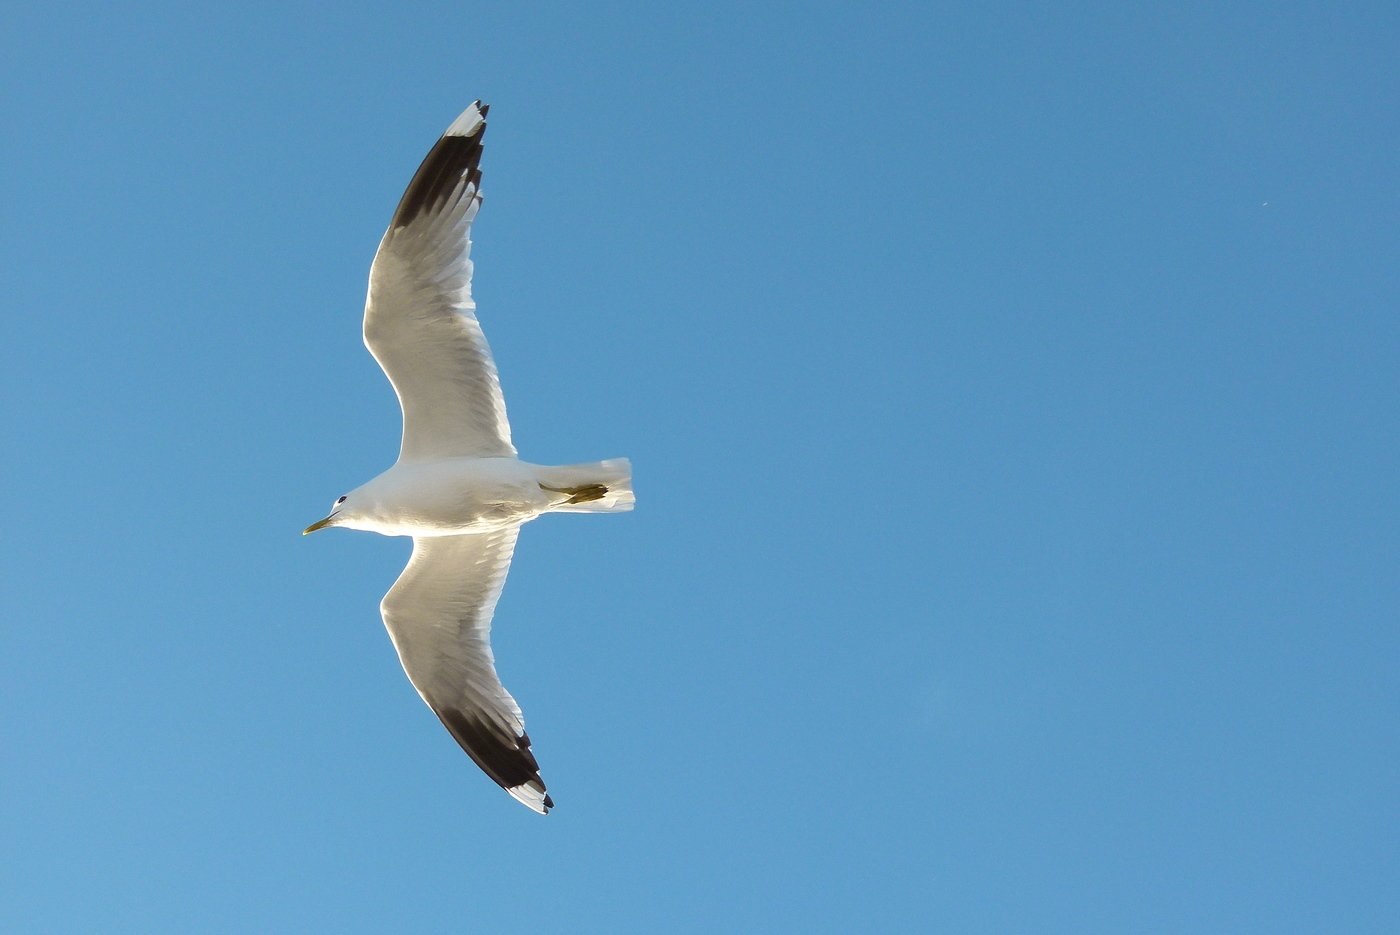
[457,488]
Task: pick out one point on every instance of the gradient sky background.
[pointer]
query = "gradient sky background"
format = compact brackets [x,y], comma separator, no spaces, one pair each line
[1013,399]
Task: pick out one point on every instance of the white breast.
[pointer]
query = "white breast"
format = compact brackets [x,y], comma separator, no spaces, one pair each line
[449,497]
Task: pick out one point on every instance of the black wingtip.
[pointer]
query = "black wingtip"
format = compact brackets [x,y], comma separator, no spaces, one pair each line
[451,159]
[506,759]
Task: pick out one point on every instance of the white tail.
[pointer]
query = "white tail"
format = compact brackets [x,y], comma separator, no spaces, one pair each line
[615,474]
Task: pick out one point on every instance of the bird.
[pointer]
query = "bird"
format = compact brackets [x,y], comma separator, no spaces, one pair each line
[458,487]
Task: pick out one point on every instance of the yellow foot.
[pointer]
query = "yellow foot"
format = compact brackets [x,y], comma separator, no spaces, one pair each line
[585,494]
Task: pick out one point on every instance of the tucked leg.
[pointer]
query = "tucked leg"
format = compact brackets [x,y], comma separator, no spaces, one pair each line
[585,494]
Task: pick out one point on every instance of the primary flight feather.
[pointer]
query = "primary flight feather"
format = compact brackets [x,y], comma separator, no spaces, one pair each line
[457,488]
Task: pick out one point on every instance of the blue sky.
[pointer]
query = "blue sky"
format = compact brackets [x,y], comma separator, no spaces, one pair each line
[1012,394]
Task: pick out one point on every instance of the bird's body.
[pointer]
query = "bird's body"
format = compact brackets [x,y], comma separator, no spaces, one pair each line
[462,496]
[448,497]
[458,487]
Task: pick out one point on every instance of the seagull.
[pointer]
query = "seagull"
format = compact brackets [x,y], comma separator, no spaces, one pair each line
[457,488]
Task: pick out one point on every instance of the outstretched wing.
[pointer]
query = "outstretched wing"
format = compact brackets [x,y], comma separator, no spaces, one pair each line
[439,616]
[420,320]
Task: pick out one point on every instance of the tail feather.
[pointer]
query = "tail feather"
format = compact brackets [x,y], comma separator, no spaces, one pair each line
[614,475]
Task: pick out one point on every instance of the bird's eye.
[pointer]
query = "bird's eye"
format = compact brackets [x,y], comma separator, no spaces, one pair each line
[340,501]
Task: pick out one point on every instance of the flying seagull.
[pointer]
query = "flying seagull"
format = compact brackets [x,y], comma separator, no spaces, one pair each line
[457,488]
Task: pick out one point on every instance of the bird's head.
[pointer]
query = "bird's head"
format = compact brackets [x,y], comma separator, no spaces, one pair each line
[337,508]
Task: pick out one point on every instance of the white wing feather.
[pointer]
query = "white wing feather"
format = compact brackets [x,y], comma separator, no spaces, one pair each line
[420,320]
[439,616]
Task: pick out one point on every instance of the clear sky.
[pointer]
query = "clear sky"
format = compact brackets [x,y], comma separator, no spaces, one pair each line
[1012,392]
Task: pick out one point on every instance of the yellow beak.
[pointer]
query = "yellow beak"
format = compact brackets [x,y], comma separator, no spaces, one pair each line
[319,524]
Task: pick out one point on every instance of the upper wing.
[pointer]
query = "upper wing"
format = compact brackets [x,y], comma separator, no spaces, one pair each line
[420,320]
[439,617]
